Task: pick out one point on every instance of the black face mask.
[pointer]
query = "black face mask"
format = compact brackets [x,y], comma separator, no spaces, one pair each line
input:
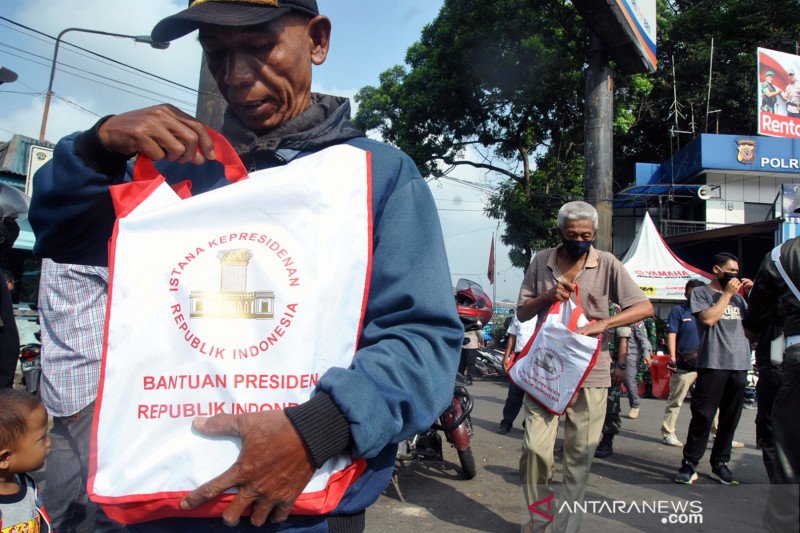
[576,249]
[726,277]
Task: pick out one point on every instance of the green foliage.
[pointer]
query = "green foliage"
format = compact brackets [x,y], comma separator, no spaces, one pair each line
[531,219]
[685,30]
[503,76]
[506,76]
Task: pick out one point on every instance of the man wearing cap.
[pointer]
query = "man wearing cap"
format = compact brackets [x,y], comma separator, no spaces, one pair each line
[769,93]
[792,96]
[261,54]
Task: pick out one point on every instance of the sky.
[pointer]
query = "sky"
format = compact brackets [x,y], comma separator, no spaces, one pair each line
[368,37]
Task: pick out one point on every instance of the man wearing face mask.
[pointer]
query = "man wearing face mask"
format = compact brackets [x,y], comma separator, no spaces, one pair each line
[721,369]
[553,276]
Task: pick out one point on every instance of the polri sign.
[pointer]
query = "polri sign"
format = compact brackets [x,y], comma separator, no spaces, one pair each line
[778,94]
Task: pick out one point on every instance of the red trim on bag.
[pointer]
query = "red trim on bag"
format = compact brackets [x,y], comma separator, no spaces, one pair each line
[369,250]
[112,247]
[556,309]
[145,170]
[145,507]
[183,189]
[128,196]
[136,508]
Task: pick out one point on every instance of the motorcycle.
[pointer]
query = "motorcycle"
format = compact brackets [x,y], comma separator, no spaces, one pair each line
[474,307]
[489,364]
[30,358]
[456,425]
[31,363]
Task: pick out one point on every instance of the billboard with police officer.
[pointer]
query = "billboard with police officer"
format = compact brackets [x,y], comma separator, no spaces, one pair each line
[778,94]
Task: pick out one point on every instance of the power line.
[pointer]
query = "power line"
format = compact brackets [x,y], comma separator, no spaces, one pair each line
[466,183]
[193,90]
[118,88]
[93,74]
[73,104]
[468,232]
[29,93]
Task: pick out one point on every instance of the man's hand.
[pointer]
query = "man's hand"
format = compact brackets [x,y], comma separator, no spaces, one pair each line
[272,470]
[159,132]
[733,287]
[747,283]
[617,376]
[648,359]
[592,330]
[560,293]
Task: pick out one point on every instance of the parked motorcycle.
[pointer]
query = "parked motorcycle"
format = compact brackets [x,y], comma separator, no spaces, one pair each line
[489,364]
[474,307]
[456,425]
[31,363]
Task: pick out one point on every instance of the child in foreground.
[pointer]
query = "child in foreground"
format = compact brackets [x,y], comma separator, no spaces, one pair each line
[24,444]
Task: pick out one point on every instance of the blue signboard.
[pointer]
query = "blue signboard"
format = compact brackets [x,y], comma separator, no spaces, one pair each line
[735,153]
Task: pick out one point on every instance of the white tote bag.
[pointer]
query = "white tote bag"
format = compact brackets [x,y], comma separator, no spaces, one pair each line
[556,360]
[232,301]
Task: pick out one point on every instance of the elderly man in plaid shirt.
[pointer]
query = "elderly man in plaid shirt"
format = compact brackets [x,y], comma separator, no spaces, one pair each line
[72,306]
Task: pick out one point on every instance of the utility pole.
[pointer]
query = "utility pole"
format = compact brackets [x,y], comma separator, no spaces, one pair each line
[210,104]
[599,139]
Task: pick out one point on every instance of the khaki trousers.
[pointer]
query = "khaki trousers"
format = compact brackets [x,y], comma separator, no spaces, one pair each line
[679,384]
[583,426]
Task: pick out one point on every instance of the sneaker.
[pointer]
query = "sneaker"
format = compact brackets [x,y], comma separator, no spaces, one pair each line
[686,474]
[604,449]
[737,444]
[502,430]
[633,413]
[722,473]
[671,440]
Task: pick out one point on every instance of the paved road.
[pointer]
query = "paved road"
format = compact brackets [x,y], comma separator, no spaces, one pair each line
[642,469]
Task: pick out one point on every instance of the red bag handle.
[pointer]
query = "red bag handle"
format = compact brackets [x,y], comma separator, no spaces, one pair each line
[577,312]
[145,170]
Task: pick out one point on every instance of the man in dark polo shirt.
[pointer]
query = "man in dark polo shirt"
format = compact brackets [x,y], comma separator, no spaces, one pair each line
[683,343]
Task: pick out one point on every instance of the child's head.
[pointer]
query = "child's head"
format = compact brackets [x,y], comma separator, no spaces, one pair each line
[24,442]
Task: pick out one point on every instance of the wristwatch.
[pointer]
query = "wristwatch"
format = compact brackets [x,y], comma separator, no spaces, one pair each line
[621,365]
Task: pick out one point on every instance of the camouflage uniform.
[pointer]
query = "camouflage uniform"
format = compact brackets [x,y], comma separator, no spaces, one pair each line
[644,375]
[612,422]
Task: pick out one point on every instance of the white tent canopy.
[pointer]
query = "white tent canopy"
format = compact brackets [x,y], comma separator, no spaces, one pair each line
[660,273]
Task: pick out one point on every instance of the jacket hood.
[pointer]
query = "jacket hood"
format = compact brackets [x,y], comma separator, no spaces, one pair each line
[325,122]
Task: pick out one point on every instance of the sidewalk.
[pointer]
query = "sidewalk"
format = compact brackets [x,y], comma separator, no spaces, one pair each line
[642,468]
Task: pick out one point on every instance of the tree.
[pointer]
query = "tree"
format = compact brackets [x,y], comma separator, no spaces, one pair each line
[686,28]
[501,79]
[504,79]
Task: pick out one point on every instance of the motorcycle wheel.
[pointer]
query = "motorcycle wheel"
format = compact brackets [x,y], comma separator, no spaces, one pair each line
[467,461]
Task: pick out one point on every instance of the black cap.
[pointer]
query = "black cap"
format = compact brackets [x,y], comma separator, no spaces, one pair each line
[7,76]
[227,13]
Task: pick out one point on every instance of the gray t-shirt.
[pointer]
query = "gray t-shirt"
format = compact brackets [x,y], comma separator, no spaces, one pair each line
[723,346]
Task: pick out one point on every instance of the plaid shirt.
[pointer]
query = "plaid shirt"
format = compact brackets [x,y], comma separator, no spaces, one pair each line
[72,308]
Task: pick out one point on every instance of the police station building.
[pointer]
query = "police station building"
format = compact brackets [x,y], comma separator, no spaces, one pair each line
[719,193]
